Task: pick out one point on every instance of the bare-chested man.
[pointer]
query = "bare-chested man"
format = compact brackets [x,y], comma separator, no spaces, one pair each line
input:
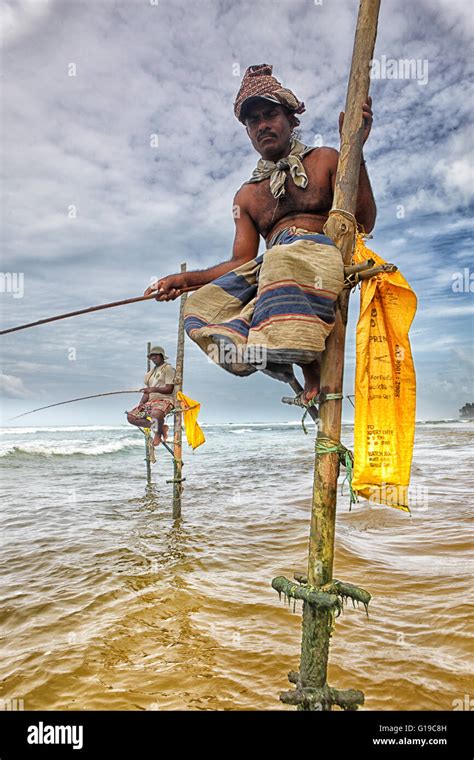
[287,203]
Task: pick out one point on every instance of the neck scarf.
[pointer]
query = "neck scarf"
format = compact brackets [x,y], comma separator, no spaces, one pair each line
[277,171]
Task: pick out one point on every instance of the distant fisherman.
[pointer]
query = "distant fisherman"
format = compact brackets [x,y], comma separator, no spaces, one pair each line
[158,396]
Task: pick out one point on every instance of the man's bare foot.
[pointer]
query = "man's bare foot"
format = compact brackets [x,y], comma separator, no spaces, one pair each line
[157,439]
[165,432]
[311,373]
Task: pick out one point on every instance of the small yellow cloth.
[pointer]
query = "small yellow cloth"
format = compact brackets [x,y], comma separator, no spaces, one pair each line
[385,387]
[194,433]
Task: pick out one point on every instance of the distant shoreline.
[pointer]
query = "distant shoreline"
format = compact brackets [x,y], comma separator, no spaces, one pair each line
[280,423]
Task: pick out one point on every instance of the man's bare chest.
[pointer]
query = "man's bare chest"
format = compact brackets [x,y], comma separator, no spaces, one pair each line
[266,210]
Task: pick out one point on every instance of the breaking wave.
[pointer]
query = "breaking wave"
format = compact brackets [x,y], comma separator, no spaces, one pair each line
[69,448]
[61,429]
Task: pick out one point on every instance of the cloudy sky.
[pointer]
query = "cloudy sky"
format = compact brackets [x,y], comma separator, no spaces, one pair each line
[92,211]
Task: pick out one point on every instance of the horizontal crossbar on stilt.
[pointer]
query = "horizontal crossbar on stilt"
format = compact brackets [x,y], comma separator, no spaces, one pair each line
[291,590]
[353,268]
[365,273]
[323,698]
[341,589]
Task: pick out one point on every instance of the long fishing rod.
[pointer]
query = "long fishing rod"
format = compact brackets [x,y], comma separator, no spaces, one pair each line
[95,395]
[70,401]
[90,309]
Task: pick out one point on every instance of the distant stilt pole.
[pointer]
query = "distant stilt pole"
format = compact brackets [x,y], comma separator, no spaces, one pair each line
[147,449]
[178,422]
[322,594]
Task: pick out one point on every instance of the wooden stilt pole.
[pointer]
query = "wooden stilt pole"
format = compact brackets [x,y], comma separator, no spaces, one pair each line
[312,690]
[147,445]
[178,423]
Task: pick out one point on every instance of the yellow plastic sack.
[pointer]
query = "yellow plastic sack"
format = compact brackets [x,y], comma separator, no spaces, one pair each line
[385,387]
[194,433]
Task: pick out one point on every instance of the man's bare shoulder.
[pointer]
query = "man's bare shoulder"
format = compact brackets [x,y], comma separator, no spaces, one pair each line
[324,156]
[244,195]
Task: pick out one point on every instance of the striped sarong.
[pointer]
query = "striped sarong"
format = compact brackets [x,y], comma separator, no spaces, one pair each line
[272,312]
[150,408]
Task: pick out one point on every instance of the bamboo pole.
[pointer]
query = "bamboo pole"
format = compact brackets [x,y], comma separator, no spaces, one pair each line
[312,690]
[178,422]
[147,445]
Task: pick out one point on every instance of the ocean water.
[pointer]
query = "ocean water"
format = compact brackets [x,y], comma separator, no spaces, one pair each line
[107,603]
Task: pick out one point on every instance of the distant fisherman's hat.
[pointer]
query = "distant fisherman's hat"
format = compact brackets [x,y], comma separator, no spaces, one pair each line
[258,82]
[157,350]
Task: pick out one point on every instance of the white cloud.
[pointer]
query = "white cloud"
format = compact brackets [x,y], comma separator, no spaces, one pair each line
[456,175]
[168,69]
[20,17]
[13,387]
[455,14]
[462,310]
[464,356]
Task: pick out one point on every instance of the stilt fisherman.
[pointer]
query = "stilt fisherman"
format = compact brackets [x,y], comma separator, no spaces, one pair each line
[158,396]
[271,311]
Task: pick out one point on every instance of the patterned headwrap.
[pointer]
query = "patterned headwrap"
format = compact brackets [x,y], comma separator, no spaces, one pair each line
[259,82]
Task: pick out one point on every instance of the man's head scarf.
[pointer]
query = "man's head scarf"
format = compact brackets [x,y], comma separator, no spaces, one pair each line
[258,82]
[277,172]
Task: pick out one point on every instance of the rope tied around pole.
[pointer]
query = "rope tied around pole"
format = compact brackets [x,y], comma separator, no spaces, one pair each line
[347,214]
[312,402]
[315,401]
[325,445]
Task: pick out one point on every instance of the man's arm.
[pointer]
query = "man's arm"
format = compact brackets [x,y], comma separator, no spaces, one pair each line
[144,391]
[166,388]
[245,249]
[366,210]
